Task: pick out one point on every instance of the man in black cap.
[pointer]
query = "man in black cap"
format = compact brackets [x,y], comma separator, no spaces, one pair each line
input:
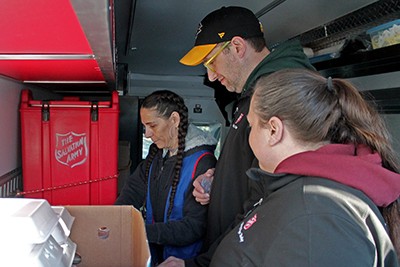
[230,43]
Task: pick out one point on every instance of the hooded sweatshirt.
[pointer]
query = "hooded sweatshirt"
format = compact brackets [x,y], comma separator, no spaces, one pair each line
[356,167]
[232,191]
[319,209]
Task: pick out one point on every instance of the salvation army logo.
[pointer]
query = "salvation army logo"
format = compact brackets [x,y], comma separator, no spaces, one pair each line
[71,149]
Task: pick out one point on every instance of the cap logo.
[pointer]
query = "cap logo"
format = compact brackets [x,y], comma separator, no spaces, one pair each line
[199,30]
[221,34]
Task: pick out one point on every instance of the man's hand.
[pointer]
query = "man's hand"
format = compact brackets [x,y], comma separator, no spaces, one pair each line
[199,193]
[172,262]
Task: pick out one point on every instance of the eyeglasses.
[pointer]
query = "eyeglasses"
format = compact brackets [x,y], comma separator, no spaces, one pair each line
[211,59]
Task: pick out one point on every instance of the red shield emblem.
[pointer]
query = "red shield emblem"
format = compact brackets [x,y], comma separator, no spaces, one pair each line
[71,149]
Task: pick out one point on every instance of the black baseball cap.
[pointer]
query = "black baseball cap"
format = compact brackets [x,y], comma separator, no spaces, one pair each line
[220,26]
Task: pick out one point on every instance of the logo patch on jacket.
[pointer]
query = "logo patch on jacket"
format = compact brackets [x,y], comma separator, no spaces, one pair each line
[234,125]
[246,226]
[250,222]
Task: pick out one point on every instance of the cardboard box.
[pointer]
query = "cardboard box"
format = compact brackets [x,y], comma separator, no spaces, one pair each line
[109,236]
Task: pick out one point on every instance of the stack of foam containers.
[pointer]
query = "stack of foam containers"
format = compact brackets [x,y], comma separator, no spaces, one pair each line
[32,233]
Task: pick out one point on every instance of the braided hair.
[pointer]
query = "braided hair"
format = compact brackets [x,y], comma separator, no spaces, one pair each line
[165,102]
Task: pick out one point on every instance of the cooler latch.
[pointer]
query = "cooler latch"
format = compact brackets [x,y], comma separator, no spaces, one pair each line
[45,111]
[94,111]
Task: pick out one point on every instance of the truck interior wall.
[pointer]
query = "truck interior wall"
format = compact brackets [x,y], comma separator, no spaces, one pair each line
[10,141]
[10,158]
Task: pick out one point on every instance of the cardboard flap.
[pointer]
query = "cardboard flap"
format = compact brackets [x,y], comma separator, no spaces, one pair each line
[109,236]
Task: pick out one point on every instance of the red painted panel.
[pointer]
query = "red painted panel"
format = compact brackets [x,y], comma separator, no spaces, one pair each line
[41,26]
[52,70]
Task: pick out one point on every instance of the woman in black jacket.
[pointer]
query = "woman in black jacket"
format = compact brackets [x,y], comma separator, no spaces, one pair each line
[330,177]
[161,186]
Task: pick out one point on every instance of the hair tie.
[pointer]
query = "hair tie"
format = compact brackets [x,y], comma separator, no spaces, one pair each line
[330,84]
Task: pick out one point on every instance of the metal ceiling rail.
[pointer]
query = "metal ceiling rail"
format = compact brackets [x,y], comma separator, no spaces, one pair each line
[46,56]
[97,20]
[269,7]
[65,82]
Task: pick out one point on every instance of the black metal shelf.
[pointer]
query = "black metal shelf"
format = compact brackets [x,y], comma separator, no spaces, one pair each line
[351,25]
[364,63]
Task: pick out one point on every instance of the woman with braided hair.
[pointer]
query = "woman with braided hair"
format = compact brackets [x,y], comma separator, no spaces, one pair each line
[161,185]
[330,177]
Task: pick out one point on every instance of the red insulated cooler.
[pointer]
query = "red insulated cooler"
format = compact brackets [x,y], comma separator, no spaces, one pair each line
[70,150]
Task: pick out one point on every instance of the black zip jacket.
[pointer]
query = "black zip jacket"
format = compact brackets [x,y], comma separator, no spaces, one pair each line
[320,208]
[232,191]
[192,227]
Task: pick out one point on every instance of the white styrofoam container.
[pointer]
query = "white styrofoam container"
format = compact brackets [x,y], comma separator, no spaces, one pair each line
[35,234]
[49,253]
[59,235]
[68,253]
[46,254]
[66,220]
[26,221]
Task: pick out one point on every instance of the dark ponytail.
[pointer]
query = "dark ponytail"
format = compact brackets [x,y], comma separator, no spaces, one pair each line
[369,128]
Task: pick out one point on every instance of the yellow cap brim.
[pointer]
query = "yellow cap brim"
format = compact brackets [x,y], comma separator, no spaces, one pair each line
[197,54]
